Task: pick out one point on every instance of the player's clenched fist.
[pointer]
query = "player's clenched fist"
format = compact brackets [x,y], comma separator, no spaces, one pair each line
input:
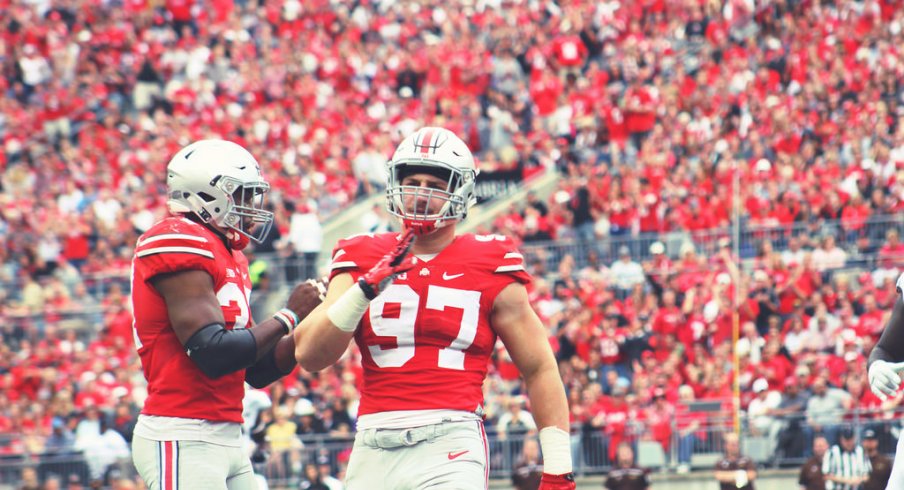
[397,261]
[306,296]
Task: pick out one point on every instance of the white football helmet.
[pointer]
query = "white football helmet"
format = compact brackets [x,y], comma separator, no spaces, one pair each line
[221,183]
[439,152]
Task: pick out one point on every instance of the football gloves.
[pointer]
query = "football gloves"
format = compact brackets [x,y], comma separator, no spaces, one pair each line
[885,378]
[397,261]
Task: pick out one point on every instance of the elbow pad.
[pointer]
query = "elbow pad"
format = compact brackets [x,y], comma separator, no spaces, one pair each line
[217,351]
[264,371]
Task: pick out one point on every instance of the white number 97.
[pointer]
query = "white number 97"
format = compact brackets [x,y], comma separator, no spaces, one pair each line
[403,327]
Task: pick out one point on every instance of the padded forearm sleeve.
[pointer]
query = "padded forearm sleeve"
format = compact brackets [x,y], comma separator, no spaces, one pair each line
[217,351]
[264,371]
[891,344]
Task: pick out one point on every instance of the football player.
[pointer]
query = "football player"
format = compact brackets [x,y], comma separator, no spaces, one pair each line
[885,366]
[425,308]
[195,337]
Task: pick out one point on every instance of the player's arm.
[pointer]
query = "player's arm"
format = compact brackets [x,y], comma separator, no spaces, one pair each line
[751,470]
[324,335]
[280,360]
[726,476]
[197,319]
[884,364]
[524,337]
[318,342]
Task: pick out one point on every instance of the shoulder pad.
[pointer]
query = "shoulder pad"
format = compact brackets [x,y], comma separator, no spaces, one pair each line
[175,244]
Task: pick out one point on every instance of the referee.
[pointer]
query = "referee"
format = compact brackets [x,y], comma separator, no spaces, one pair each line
[846,466]
[626,475]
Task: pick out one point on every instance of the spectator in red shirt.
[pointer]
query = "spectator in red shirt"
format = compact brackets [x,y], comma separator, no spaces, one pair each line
[640,111]
[570,51]
[668,318]
[871,320]
[891,256]
[659,418]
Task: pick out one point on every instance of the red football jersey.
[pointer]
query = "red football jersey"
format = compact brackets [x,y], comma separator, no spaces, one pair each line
[176,387]
[425,341]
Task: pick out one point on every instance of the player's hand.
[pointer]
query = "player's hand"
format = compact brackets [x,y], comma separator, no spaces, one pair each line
[307,296]
[397,261]
[557,482]
[885,378]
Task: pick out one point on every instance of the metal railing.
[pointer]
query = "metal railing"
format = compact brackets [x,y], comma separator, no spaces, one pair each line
[862,241]
[593,448]
[862,244]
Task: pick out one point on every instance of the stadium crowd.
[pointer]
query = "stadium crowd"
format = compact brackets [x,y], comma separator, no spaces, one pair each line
[649,110]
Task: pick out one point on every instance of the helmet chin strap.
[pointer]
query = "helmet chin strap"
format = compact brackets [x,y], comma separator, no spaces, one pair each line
[238,241]
[424,227]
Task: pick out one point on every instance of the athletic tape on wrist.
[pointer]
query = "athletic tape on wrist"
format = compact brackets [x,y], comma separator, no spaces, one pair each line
[556,446]
[347,311]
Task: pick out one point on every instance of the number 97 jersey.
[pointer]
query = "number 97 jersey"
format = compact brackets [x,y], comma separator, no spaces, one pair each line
[426,339]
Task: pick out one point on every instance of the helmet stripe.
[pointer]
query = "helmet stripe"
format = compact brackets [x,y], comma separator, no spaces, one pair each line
[425,141]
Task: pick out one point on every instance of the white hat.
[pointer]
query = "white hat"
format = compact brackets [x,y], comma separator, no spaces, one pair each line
[720,146]
[657,248]
[686,248]
[760,385]
[763,165]
[304,407]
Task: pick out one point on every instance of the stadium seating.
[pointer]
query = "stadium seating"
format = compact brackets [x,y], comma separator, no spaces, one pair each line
[657,117]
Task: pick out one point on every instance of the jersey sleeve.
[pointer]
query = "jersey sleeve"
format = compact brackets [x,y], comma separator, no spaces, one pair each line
[352,255]
[172,250]
[506,261]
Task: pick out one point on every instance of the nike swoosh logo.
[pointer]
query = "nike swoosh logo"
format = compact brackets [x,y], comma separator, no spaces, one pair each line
[455,455]
[448,276]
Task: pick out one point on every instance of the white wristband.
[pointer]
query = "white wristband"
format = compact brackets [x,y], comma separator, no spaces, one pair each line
[288,318]
[556,446]
[347,311]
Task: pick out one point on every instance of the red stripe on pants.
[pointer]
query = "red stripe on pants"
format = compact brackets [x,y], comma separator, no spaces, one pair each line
[486,455]
[167,484]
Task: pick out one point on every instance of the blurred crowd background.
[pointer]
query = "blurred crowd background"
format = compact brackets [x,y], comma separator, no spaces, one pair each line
[666,122]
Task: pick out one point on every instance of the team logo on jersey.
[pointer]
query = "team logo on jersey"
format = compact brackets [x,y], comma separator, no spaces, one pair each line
[449,277]
[424,272]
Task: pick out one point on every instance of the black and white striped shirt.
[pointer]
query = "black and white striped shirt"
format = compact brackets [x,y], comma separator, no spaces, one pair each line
[845,464]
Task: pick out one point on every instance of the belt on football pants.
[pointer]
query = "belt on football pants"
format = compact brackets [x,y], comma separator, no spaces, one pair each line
[394,438]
